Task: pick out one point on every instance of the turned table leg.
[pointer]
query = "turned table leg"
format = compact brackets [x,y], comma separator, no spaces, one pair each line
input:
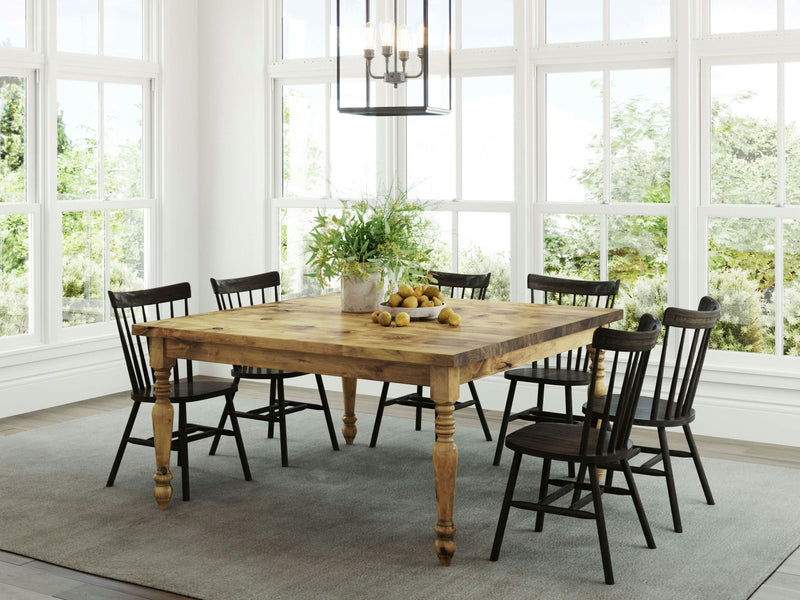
[600,388]
[162,422]
[349,419]
[444,393]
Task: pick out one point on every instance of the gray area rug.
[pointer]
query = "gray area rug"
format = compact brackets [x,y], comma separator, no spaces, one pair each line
[359,523]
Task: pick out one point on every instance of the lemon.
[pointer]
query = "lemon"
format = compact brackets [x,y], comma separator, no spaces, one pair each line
[395,300]
[444,315]
[402,319]
[454,320]
[385,319]
[375,315]
[410,302]
[405,290]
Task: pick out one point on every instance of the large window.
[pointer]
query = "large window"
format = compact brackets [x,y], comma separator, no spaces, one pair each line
[752,194]
[76,189]
[605,158]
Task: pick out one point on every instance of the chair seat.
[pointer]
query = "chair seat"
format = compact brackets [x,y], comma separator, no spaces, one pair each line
[567,377]
[188,391]
[645,417]
[561,441]
[261,373]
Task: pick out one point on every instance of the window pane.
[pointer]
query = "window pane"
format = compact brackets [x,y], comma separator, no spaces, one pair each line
[744,161]
[487,24]
[127,250]
[15,298]
[122,31]
[574,21]
[122,136]
[639,19]
[431,157]
[572,246]
[441,240]
[484,246]
[12,25]
[82,268]
[741,266]
[729,16]
[77,140]
[640,136]
[304,140]
[77,26]
[637,256]
[304,28]
[295,225]
[792,14]
[353,158]
[487,143]
[574,137]
[12,139]
[791,282]
[792,104]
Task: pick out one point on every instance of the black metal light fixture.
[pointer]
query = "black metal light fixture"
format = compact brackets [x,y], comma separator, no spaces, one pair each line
[392,80]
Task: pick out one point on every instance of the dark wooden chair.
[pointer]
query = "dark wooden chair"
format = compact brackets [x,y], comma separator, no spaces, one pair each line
[567,370]
[593,444]
[454,285]
[260,289]
[691,331]
[162,303]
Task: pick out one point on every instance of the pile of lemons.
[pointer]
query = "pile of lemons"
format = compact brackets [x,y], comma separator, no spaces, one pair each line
[422,296]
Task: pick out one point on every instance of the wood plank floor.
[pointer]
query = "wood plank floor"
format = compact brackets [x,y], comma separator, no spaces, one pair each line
[22,578]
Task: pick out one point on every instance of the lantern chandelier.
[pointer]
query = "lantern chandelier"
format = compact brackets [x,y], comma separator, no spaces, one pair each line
[417,86]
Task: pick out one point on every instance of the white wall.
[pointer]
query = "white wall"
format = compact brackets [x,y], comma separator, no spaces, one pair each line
[232,226]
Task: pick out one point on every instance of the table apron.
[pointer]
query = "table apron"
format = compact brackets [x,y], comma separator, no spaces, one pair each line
[364,368]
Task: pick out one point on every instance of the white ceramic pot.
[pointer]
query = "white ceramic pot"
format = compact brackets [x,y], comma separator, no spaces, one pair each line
[361,296]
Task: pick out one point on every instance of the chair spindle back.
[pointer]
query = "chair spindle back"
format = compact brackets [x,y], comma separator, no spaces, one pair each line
[463,285]
[572,292]
[692,329]
[246,291]
[138,306]
[628,353]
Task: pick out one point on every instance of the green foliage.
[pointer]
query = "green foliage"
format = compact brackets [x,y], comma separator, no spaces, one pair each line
[388,234]
[645,295]
[475,260]
[12,139]
[791,308]
[741,325]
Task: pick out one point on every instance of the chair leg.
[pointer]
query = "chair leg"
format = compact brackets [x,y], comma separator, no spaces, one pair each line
[379,414]
[673,496]
[576,494]
[568,412]
[323,398]
[501,436]
[600,520]
[282,424]
[123,443]
[237,434]
[543,485]
[418,412]
[273,393]
[487,434]
[222,420]
[697,464]
[183,452]
[637,503]
[501,523]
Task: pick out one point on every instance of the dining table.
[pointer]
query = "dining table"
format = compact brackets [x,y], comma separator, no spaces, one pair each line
[313,335]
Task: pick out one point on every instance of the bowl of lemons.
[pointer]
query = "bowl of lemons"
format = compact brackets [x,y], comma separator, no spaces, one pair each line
[421,302]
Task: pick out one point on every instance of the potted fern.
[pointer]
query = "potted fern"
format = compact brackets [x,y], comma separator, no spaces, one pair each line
[372,243]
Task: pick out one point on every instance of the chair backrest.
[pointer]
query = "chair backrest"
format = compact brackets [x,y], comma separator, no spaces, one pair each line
[463,285]
[147,305]
[572,292]
[246,291]
[626,356]
[691,330]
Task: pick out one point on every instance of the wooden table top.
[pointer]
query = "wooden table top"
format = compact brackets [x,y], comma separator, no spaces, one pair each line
[316,325]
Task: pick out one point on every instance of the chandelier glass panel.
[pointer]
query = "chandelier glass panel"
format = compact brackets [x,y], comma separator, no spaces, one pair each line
[393,57]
